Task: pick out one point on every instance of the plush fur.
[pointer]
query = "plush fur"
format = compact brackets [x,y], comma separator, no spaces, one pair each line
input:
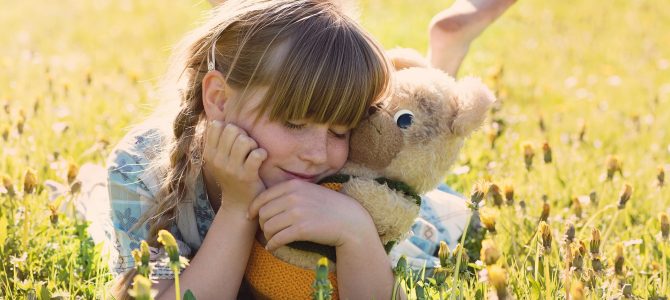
[444,111]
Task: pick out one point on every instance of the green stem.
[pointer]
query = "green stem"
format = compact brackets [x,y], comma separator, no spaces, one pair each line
[460,255]
[609,228]
[176,283]
[665,268]
[537,262]
[395,288]
[547,278]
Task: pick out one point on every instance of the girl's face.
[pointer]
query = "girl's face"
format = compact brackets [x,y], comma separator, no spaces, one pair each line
[296,149]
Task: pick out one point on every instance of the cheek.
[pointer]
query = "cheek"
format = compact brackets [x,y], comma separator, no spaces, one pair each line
[339,151]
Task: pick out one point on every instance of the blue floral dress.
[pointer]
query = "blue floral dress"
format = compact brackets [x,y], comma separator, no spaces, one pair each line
[132,187]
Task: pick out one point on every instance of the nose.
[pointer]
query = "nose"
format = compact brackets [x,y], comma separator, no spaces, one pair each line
[315,148]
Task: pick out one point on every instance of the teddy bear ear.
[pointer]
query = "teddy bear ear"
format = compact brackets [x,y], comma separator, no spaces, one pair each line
[473,101]
[403,58]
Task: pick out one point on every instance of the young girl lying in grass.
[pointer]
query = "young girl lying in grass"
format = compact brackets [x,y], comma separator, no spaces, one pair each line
[259,101]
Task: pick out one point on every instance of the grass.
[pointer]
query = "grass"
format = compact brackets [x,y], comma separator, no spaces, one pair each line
[77,74]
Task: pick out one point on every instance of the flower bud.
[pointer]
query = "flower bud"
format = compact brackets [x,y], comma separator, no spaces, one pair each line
[20,124]
[168,241]
[528,154]
[661,176]
[618,259]
[665,225]
[582,131]
[443,254]
[488,218]
[478,193]
[72,170]
[544,217]
[545,234]
[8,185]
[546,152]
[577,290]
[498,280]
[489,253]
[141,288]
[509,194]
[494,190]
[5,133]
[626,192]
[577,207]
[570,233]
[593,196]
[144,251]
[577,257]
[613,165]
[459,250]
[29,181]
[595,242]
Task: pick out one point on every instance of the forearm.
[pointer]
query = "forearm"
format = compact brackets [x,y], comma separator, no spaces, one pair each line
[217,269]
[364,270]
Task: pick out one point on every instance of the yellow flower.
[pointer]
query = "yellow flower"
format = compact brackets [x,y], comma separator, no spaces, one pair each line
[489,253]
[141,288]
[170,244]
[498,279]
[577,290]
[488,218]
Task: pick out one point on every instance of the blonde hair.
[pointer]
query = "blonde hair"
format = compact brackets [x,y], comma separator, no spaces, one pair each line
[317,63]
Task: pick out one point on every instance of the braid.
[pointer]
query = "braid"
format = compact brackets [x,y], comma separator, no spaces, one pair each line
[177,187]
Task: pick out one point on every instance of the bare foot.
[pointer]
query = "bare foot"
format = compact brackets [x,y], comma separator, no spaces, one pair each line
[452,30]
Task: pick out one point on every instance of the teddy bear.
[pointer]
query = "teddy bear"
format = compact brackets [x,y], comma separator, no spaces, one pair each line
[403,149]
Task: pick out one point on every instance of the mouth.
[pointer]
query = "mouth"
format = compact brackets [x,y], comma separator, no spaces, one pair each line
[301,176]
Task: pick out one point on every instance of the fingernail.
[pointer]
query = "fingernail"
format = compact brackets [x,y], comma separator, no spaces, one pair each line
[217,123]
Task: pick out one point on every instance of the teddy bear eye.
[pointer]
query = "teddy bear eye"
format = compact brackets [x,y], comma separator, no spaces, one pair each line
[404,118]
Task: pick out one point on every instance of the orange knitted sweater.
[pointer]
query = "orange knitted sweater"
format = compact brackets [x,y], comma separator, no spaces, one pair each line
[271,278]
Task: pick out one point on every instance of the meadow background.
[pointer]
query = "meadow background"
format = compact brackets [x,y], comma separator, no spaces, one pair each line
[589,78]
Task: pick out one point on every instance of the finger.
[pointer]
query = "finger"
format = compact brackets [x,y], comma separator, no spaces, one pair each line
[227,139]
[213,133]
[283,237]
[270,210]
[255,159]
[276,224]
[241,148]
[268,195]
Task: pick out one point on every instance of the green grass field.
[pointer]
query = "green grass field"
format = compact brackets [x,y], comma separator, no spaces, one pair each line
[590,78]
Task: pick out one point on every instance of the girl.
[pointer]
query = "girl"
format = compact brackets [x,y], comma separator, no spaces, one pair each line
[260,104]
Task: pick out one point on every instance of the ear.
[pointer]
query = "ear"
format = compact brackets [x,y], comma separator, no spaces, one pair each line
[215,95]
[474,100]
[403,58]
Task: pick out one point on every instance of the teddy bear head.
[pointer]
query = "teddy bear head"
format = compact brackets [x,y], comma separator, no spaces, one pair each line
[415,133]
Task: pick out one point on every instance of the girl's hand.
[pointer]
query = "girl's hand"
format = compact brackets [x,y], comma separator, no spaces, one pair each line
[296,210]
[233,159]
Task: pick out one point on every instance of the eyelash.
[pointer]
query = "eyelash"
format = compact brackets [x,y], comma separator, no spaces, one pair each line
[290,125]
